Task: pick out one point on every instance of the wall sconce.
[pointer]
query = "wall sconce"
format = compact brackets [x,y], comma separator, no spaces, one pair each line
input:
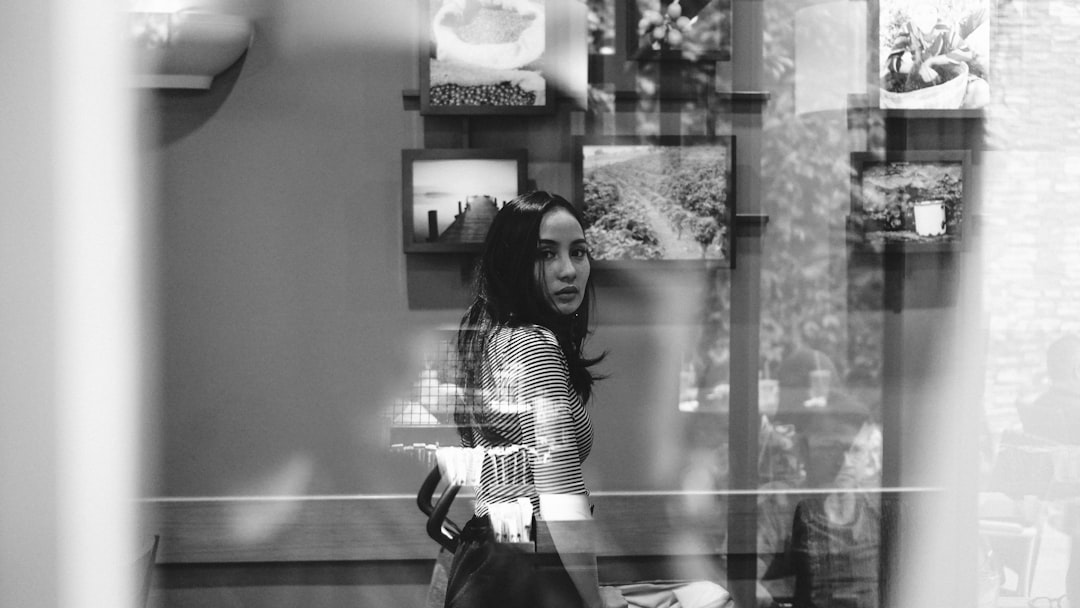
[184,47]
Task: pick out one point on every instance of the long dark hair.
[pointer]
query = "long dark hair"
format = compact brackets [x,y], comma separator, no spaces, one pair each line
[507,294]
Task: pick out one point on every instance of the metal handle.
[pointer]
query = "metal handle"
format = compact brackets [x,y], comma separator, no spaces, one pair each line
[439,526]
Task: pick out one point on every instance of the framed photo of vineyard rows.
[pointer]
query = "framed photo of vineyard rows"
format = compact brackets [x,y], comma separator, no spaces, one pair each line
[932,57]
[485,57]
[910,201]
[694,30]
[657,200]
[450,196]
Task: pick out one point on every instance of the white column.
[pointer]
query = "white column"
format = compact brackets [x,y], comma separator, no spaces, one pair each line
[71,318]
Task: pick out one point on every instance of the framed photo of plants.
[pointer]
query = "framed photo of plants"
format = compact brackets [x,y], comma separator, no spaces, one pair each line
[450,196]
[910,201]
[691,30]
[655,200]
[932,56]
[485,57]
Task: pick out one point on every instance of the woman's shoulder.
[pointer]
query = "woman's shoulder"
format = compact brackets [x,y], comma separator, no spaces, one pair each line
[532,338]
[531,332]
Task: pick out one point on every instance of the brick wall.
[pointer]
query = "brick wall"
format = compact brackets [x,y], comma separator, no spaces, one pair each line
[1031,196]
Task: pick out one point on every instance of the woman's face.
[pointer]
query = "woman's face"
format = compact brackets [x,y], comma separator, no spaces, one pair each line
[562,261]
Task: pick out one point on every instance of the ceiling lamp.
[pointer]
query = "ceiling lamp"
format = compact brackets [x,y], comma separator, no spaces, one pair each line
[184,47]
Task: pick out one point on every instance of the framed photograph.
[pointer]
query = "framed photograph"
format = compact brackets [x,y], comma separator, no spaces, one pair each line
[657,199]
[485,57]
[910,200]
[449,197]
[601,24]
[691,30]
[932,56]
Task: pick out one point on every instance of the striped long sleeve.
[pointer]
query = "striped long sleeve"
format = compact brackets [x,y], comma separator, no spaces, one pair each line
[531,405]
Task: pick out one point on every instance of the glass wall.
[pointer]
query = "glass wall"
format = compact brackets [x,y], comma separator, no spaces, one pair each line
[834,242]
[858,294]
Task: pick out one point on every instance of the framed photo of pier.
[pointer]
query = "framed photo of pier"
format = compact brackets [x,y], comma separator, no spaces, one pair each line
[449,196]
[486,57]
[649,200]
[909,200]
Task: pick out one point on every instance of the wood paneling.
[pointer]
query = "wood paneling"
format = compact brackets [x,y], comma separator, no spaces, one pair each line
[629,525]
[351,528]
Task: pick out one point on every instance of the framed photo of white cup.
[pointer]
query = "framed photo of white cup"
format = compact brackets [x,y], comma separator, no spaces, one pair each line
[908,200]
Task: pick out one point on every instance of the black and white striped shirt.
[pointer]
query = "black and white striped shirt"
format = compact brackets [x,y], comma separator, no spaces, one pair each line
[529,402]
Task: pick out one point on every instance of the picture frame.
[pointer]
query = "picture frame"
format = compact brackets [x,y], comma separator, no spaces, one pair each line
[705,37]
[665,200]
[488,61]
[449,196]
[910,201]
[601,19]
[950,37]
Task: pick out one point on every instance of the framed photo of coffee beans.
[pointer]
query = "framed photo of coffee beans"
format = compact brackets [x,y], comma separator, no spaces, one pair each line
[681,30]
[663,201]
[486,57]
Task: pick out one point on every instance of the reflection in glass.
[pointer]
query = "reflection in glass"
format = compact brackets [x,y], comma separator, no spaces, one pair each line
[820,513]
[601,27]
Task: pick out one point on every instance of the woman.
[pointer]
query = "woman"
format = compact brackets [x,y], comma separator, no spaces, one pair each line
[527,379]
[524,371]
[520,345]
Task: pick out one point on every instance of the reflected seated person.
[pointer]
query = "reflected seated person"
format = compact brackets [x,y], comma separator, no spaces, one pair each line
[825,545]
[836,537]
[813,401]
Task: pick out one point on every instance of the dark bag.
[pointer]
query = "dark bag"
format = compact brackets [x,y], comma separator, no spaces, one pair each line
[485,573]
